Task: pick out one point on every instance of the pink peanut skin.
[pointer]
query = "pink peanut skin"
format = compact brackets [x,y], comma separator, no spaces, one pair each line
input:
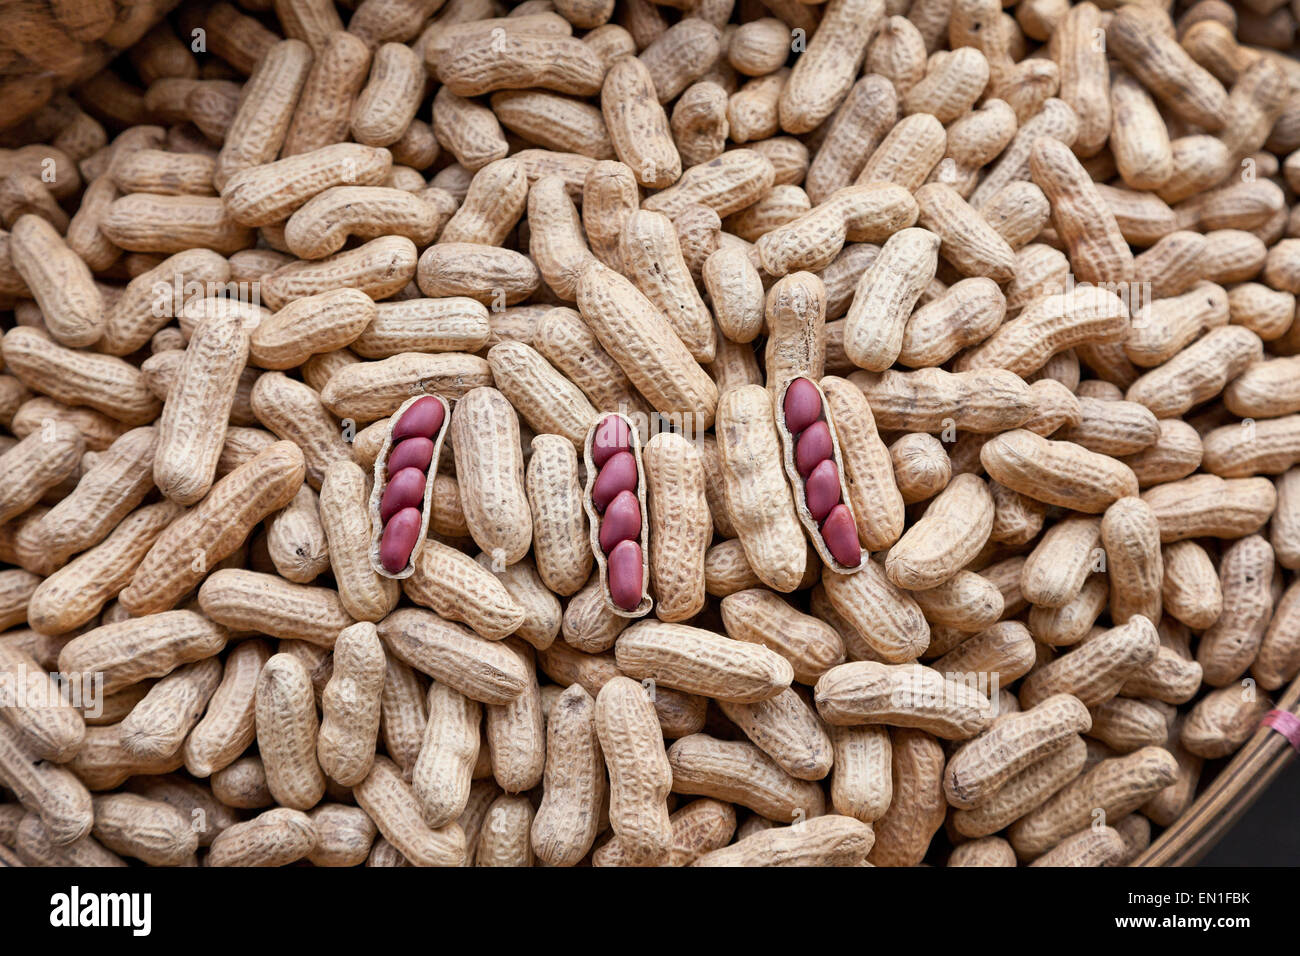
[398,539]
[803,405]
[612,438]
[617,475]
[421,420]
[625,574]
[813,447]
[411,453]
[841,536]
[822,489]
[405,490]
[621,521]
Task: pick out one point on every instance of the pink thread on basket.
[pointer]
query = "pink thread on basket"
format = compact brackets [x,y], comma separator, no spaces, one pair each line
[1285,723]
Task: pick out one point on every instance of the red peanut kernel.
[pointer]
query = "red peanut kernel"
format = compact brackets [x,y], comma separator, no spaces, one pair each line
[422,420]
[405,490]
[411,453]
[822,490]
[618,474]
[841,537]
[398,538]
[612,437]
[625,575]
[621,522]
[802,405]
[812,448]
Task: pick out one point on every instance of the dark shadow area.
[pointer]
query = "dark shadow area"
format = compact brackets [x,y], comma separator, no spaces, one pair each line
[1269,833]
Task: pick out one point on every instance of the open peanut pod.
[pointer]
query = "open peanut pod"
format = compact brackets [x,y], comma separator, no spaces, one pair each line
[816,471]
[615,501]
[401,498]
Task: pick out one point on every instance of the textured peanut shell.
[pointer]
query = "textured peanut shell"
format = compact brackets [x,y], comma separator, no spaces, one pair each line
[639,772]
[825,841]
[228,726]
[561,544]
[350,705]
[759,616]
[916,811]
[1117,786]
[149,830]
[680,525]
[158,725]
[366,595]
[102,382]
[645,346]
[442,776]
[213,529]
[189,432]
[1059,473]
[787,730]
[286,733]
[389,801]
[141,647]
[758,495]
[1094,671]
[574,784]
[867,472]
[867,692]
[1023,792]
[47,789]
[482,670]
[701,662]
[37,463]
[47,727]
[490,471]
[250,601]
[882,612]
[73,595]
[739,772]
[980,768]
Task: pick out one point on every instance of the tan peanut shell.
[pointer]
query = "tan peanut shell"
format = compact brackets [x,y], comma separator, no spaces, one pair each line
[984,765]
[574,786]
[680,526]
[485,438]
[739,772]
[758,495]
[287,730]
[902,695]
[228,726]
[701,662]
[366,594]
[639,772]
[351,704]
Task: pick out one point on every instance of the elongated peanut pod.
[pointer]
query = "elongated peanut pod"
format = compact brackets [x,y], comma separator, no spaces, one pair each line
[574,782]
[758,494]
[228,726]
[561,543]
[490,471]
[350,704]
[639,773]
[680,525]
[189,436]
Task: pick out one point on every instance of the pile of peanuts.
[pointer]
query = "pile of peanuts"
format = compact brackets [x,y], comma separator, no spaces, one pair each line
[872,432]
